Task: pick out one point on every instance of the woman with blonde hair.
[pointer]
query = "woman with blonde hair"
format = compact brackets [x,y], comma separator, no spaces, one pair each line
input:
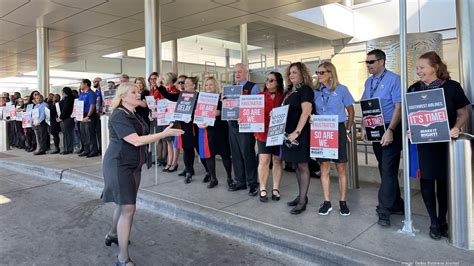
[142,110]
[214,140]
[122,164]
[333,98]
[295,150]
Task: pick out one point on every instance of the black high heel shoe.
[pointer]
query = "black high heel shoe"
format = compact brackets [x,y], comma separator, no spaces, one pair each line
[298,209]
[173,168]
[275,197]
[167,168]
[112,239]
[127,261]
[295,201]
[263,198]
[188,178]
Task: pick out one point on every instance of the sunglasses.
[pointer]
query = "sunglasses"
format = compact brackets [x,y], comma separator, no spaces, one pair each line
[270,80]
[320,73]
[290,143]
[181,82]
[370,62]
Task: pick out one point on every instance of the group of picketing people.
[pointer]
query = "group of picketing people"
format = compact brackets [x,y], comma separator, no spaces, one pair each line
[133,126]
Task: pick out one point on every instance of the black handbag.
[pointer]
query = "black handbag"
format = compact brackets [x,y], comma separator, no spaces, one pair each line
[148,158]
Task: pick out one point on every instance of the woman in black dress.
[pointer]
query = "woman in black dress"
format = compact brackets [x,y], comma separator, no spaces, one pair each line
[299,97]
[123,161]
[214,140]
[433,157]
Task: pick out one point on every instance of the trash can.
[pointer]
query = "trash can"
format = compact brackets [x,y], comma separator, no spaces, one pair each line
[104,133]
[4,142]
[460,192]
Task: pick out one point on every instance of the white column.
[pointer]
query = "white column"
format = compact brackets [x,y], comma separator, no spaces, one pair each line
[275,54]
[244,53]
[174,56]
[152,36]
[407,223]
[465,24]
[42,59]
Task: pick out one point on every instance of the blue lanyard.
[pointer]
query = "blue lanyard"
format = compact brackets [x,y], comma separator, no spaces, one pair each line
[325,101]
[372,89]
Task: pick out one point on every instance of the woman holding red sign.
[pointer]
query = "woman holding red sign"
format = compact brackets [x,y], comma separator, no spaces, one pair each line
[188,140]
[333,98]
[214,140]
[273,97]
[433,157]
[296,149]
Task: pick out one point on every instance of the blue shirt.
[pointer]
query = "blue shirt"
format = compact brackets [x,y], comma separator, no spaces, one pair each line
[388,91]
[255,88]
[41,106]
[88,98]
[333,103]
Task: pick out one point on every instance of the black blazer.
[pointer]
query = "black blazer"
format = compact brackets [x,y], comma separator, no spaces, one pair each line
[66,105]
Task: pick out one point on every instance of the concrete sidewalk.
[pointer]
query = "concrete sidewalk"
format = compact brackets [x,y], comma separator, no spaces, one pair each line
[356,239]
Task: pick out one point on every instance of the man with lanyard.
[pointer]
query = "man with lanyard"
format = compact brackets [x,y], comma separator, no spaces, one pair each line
[385,85]
[87,124]
[100,111]
[242,145]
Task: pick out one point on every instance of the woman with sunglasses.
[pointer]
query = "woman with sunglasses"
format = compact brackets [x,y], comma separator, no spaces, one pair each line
[300,98]
[333,98]
[214,140]
[273,96]
[188,141]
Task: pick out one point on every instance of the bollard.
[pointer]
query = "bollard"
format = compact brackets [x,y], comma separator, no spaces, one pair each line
[460,188]
[4,142]
[353,166]
[104,133]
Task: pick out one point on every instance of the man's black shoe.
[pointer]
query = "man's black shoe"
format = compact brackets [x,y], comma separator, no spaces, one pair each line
[92,154]
[395,212]
[83,154]
[384,220]
[253,191]
[235,187]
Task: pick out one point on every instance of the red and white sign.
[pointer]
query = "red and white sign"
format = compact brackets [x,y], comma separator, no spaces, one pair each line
[78,110]
[161,112]
[170,110]
[206,108]
[427,118]
[151,103]
[324,137]
[26,120]
[373,121]
[251,113]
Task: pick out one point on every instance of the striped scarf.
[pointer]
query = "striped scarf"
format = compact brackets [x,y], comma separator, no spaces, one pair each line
[433,85]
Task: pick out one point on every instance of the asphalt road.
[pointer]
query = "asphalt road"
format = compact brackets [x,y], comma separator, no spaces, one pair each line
[43,222]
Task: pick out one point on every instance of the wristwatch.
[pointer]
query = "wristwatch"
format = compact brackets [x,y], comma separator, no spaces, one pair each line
[297,132]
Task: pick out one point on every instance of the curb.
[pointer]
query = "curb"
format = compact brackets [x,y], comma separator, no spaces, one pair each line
[292,243]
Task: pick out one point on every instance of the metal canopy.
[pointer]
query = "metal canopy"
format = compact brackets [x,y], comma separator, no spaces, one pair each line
[91,28]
